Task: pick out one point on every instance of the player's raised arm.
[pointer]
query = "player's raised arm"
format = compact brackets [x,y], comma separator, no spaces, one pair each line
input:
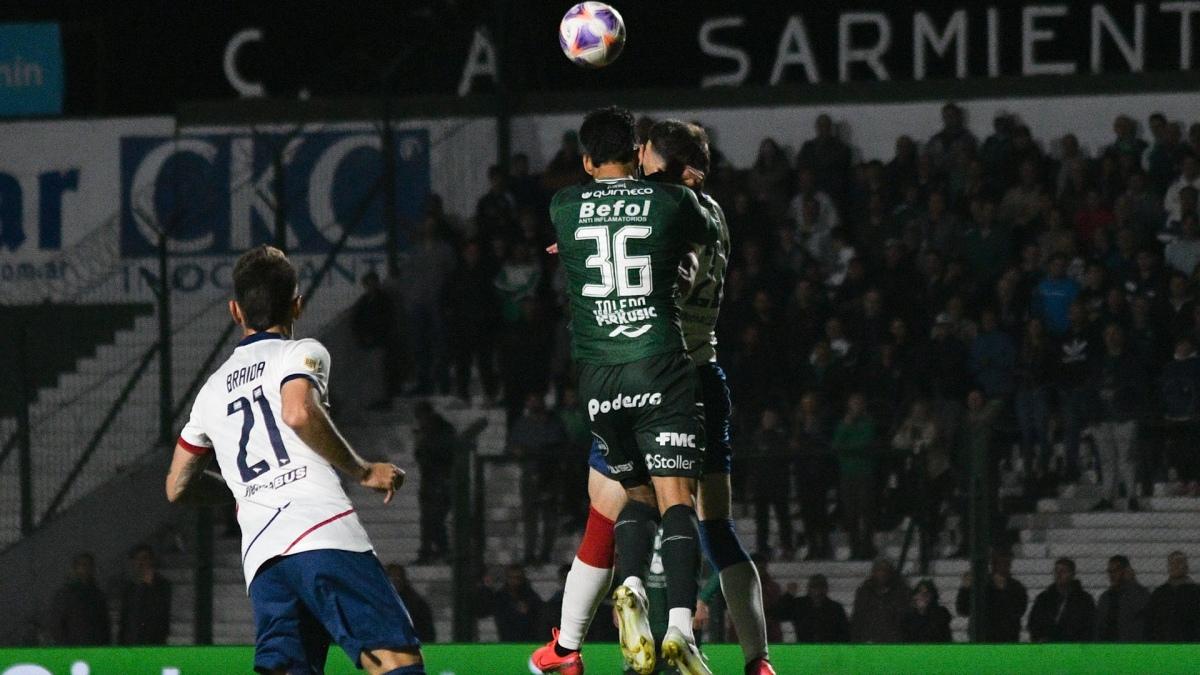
[304,412]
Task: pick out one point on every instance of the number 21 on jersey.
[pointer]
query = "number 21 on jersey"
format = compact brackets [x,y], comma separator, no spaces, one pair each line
[614,262]
[251,471]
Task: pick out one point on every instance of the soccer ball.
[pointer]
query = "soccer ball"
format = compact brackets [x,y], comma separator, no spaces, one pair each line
[592,34]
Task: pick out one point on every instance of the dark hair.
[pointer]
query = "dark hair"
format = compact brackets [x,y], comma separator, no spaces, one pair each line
[681,145]
[1066,561]
[264,285]
[1121,560]
[609,135]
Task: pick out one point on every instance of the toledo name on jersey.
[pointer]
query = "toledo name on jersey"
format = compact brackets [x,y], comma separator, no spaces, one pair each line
[289,498]
[620,242]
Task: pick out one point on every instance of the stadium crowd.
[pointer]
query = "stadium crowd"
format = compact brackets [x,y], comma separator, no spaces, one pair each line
[882,320]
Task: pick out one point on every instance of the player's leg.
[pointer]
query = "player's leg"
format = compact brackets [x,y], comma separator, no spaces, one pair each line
[740,583]
[671,440]
[285,639]
[591,573]
[351,595]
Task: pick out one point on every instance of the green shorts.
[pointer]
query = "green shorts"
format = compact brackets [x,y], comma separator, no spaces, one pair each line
[645,417]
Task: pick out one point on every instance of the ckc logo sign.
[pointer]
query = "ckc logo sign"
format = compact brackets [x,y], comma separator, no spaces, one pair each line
[215,193]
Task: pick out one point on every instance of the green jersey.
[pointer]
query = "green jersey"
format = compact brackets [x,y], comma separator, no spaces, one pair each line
[699,308]
[620,242]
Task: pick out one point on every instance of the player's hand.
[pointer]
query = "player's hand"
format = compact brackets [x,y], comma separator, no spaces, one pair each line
[552,249]
[383,477]
[700,620]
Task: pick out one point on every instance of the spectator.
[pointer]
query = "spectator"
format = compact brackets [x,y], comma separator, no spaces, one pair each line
[992,357]
[566,167]
[496,210]
[1161,157]
[1077,350]
[829,159]
[525,188]
[879,605]
[997,155]
[1022,203]
[1006,600]
[938,227]
[921,437]
[1180,394]
[1173,612]
[145,617]
[472,312]
[1127,141]
[901,168]
[434,448]
[79,616]
[987,244]
[1189,176]
[1183,253]
[1188,197]
[770,484]
[926,620]
[953,142]
[427,268]
[1138,207]
[813,215]
[1119,384]
[854,444]
[816,617]
[1064,612]
[816,472]
[515,606]
[1121,610]
[770,179]
[1034,370]
[373,320]
[1054,295]
[418,606]
[1093,216]
[537,439]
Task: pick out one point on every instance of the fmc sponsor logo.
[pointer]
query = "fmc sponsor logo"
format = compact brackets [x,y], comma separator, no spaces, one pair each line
[215,194]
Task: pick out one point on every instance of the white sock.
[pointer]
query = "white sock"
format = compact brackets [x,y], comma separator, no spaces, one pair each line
[584,591]
[743,598]
[681,618]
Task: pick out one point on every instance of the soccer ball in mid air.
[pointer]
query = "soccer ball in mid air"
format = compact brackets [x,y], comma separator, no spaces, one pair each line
[592,34]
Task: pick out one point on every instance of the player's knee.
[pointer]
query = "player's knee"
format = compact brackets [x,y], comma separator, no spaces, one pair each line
[720,543]
[394,662]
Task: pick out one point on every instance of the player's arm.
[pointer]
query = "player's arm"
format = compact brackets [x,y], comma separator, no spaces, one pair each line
[688,266]
[306,415]
[189,483]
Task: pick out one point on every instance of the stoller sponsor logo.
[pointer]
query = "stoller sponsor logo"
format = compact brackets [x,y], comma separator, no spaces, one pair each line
[677,462]
[597,407]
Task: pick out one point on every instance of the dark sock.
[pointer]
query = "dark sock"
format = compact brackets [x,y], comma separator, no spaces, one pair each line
[634,534]
[561,651]
[680,555]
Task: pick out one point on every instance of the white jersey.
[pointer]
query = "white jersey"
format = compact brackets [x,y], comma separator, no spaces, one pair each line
[289,498]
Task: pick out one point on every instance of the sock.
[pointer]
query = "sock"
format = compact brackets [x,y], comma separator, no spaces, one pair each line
[634,534]
[587,583]
[681,618]
[681,560]
[742,589]
[414,669]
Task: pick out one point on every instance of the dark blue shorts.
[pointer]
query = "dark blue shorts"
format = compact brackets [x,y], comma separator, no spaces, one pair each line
[718,451]
[305,601]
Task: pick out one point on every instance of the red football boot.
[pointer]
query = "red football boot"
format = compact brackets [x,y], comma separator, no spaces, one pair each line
[547,660]
[760,666]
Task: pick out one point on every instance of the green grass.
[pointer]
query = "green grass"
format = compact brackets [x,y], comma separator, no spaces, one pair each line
[603,659]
